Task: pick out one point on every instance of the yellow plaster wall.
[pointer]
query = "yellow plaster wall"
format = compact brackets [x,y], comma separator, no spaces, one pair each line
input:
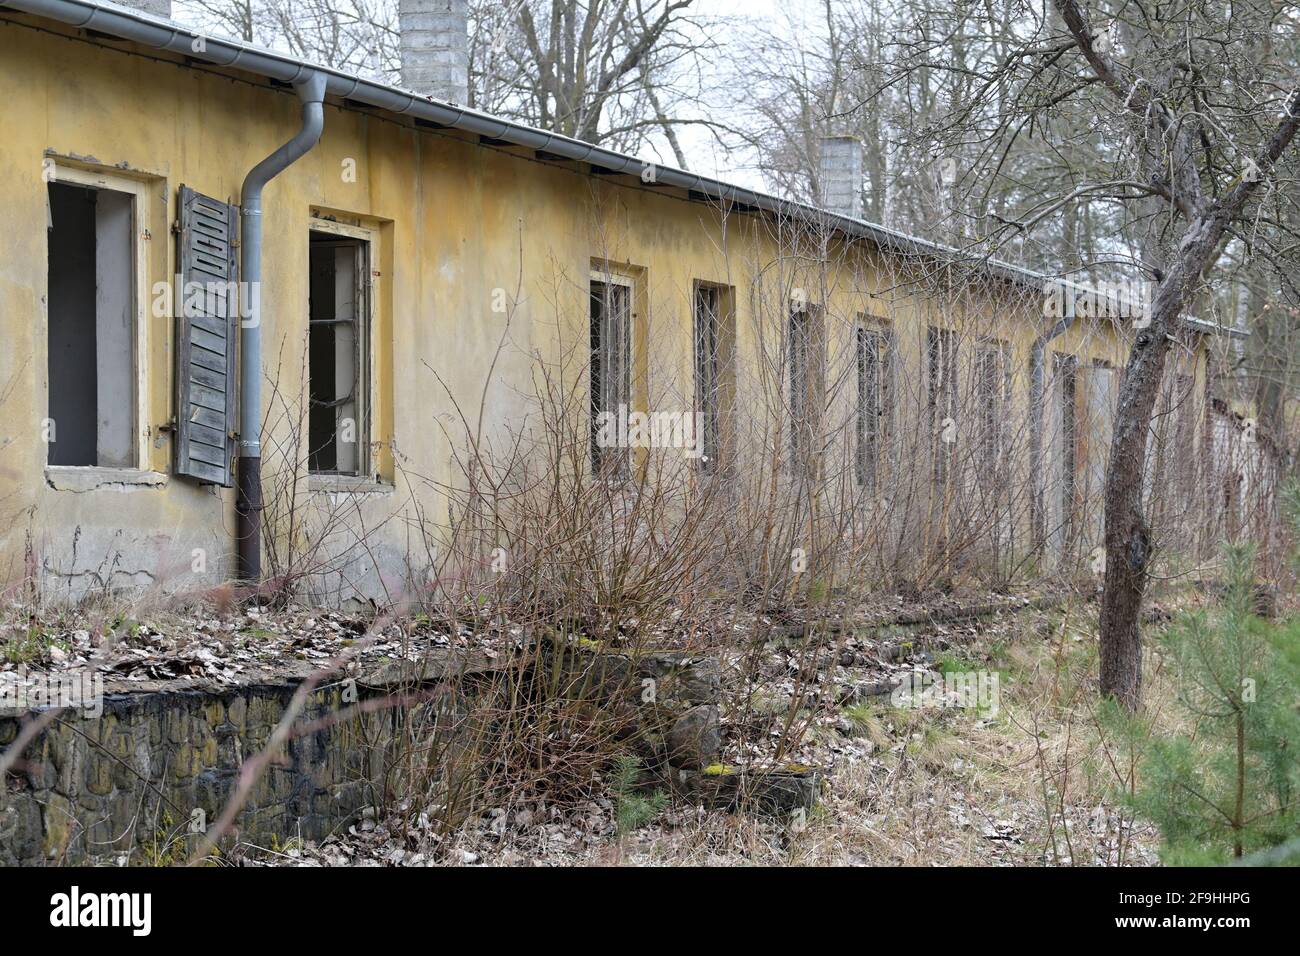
[462,227]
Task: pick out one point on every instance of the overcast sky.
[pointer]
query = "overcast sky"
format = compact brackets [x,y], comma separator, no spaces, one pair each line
[779,17]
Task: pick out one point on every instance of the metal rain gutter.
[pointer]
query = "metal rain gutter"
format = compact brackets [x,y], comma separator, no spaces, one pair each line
[152,31]
[156,32]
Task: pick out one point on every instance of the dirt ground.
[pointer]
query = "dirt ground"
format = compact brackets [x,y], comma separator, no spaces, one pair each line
[1027,774]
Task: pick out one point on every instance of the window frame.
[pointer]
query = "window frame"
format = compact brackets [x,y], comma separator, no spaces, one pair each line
[622,456]
[994,435]
[804,413]
[711,439]
[58,171]
[942,356]
[363,352]
[1065,393]
[882,336]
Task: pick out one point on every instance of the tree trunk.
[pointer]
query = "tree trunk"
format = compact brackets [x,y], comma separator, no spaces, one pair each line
[1128,539]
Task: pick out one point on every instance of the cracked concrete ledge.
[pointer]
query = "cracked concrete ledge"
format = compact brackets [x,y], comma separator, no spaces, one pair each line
[348,485]
[75,479]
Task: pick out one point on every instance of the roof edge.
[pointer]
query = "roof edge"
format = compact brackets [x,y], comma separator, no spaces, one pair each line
[162,34]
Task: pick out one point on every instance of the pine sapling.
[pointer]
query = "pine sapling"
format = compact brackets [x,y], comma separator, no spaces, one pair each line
[1227,786]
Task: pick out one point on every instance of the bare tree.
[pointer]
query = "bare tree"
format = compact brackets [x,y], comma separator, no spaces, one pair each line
[926,86]
[809,77]
[1174,125]
[612,72]
[355,35]
[619,73]
[1206,156]
[238,18]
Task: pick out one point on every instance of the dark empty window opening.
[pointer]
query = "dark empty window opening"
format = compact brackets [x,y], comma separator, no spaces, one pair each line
[941,398]
[92,390]
[338,354]
[610,371]
[872,424]
[798,351]
[708,316]
[992,405]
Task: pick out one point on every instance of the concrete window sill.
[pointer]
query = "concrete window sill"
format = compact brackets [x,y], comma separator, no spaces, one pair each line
[93,478]
[347,484]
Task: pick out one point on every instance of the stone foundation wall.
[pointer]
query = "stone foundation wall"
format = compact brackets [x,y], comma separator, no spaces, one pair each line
[140,782]
[143,780]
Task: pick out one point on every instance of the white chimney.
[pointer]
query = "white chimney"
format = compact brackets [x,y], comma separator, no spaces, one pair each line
[841,175]
[435,47]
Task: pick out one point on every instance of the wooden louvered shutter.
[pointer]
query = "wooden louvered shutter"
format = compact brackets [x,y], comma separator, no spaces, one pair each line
[207,325]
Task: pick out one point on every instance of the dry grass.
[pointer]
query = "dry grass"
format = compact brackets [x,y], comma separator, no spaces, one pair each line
[1034,785]
[1037,783]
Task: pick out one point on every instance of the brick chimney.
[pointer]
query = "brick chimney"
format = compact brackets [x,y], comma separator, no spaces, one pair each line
[435,47]
[840,175]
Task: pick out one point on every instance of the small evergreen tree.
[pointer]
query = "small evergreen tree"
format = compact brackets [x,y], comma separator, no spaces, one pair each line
[1230,785]
[633,808]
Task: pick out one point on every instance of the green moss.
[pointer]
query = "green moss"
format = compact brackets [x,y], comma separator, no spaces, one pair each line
[58,825]
[718,770]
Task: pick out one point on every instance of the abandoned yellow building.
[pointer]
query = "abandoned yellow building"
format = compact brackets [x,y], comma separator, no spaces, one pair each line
[419,262]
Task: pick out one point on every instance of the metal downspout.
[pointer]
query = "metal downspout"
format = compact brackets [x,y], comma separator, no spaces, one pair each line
[248,495]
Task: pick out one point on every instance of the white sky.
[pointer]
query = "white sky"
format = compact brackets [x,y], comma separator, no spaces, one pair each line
[774,16]
[700,146]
